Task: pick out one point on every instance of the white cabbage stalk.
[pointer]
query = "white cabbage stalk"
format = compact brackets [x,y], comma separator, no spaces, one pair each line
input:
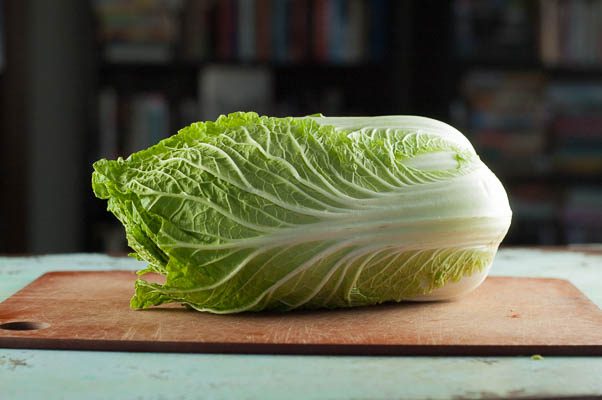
[481,193]
[250,213]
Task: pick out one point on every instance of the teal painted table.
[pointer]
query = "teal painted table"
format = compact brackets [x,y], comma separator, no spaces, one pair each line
[45,374]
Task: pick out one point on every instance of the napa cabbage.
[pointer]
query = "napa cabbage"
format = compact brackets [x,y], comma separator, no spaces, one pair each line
[251,212]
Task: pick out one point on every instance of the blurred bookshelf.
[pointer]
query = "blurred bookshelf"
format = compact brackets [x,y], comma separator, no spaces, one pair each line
[163,64]
[528,93]
[522,79]
[154,55]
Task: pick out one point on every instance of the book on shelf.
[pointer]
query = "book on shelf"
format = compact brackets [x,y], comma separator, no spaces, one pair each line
[280,31]
[337,27]
[131,123]
[148,121]
[534,202]
[138,31]
[320,30]
[226,89]
[299,31]
[505,117]
[226,19]
[535,209]
[355,38]
[246,30]
[197,30]
[263,30]
[582,214]
[493,30]
[377,45]
[152,53]
[570,33]
[576,126]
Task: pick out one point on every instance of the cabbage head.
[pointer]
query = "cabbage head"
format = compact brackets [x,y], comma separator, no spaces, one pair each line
[250,212]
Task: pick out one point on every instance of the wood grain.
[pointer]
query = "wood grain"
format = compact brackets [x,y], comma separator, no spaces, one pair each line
[505,316]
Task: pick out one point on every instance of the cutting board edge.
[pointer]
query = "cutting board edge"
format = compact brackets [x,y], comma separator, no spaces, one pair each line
[304,349]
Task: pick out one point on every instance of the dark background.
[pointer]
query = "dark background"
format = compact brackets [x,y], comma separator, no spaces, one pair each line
[84,80]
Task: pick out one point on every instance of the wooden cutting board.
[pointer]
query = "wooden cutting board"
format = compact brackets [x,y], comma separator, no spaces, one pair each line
[505,316]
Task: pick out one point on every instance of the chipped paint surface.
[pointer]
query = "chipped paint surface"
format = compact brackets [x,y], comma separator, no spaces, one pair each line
[12,363]
[28,374]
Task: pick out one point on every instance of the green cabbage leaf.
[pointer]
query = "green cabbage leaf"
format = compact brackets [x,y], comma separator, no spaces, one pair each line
[249,213]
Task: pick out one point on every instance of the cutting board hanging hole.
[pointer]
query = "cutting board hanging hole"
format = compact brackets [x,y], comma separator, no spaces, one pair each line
[24,325]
